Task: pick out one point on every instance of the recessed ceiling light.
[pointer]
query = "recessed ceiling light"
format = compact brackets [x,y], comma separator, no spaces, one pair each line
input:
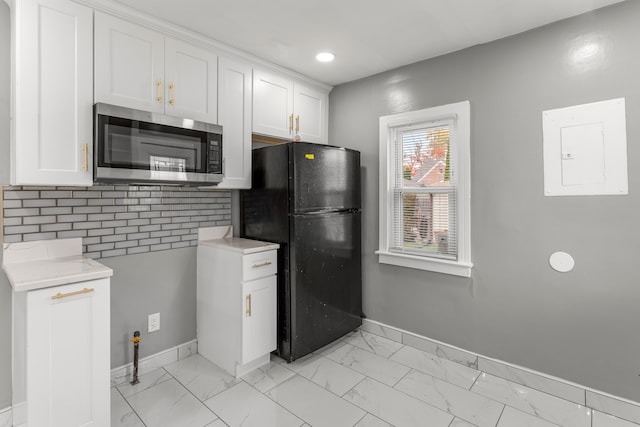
[325,57]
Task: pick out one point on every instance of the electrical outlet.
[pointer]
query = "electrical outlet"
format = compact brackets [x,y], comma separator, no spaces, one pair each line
[153,322]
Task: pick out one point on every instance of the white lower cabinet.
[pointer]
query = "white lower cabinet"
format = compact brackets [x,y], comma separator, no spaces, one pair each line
[260,313]
[62,355]
[236,305]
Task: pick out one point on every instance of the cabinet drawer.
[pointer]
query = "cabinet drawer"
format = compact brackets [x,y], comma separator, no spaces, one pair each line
[261,264]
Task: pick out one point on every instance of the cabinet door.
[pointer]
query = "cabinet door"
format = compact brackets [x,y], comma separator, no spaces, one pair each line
[272,105]
[259,320]
[53,132]
[68,366]
[310,114]
[129,64]
[191,81]
[234,98]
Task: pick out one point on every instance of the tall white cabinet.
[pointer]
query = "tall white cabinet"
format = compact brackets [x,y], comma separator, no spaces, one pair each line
[284,108]
[61,335]
[236,300]
[234,115]
[52,98]
[140,68]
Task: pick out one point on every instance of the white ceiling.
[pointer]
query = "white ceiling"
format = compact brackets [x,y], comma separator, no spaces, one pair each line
[367,36]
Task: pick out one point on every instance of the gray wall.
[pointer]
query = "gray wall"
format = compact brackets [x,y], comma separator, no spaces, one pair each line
[584,325]
[159,282]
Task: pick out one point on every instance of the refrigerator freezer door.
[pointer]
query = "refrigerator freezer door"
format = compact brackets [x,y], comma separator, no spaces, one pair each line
[325,281]
[325,178]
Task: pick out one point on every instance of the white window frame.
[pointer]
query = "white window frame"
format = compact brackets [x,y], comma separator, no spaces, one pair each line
[460,113]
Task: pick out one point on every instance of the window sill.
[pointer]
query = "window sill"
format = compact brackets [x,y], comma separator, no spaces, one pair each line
[454,268]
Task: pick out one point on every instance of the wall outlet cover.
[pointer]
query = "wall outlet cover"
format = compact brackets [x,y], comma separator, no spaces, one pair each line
[153,323]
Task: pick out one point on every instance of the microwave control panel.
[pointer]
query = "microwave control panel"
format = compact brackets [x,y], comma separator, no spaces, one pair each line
[215,156]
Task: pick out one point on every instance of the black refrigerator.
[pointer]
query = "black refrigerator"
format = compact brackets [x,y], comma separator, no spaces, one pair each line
[306,197]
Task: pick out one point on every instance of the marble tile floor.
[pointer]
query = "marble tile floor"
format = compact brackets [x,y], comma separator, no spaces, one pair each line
[362,380]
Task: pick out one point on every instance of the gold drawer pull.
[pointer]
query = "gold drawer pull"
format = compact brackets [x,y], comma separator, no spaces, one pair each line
[85,164]
[159,91]
[264,264]
[172,93]
[248,312]
[70,294]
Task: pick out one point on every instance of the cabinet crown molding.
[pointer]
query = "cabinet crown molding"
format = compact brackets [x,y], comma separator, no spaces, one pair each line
[135,16]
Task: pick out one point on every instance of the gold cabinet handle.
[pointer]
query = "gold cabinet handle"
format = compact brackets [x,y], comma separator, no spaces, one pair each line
[159,90]
[248,312]
[70,294]
[264,264]
[297,124]
[85,164]
[171,93]
[291,123]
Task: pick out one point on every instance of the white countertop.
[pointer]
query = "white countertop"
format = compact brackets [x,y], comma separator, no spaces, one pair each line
[222,237]
[42,264]
[240,245]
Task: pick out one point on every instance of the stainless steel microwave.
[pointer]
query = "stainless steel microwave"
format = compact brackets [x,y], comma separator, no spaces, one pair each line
[133,146]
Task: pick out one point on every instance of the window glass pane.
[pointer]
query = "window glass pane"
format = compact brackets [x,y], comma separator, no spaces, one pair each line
[425,157]
[425,223]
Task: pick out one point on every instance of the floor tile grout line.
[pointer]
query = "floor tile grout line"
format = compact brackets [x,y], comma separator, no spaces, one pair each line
[361,418]
[535,414]
[269,397]
[189,391]
[541,391]
[130,406]
[504,407]
[451,384]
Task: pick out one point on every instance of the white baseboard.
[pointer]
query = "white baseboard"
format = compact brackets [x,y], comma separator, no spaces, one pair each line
[124,373]
[559,387]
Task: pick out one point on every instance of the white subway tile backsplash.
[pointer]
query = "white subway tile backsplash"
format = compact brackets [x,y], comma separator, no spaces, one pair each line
[113,220]
[72,202]
[19,229]
[37,236]
[37,203]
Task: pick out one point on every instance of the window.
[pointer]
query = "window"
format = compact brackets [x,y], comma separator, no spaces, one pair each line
[424,189]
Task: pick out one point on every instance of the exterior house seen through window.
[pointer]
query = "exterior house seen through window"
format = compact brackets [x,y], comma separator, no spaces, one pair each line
[424,189]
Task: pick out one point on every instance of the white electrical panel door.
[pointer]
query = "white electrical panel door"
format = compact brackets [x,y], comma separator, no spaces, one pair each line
[585,149]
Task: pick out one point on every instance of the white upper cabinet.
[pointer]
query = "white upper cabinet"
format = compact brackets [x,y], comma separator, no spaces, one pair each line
[234,100]
[310,121]
[52,103]
[140,68]
[129,64]
[283,108]
[191,76]
[272,105]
